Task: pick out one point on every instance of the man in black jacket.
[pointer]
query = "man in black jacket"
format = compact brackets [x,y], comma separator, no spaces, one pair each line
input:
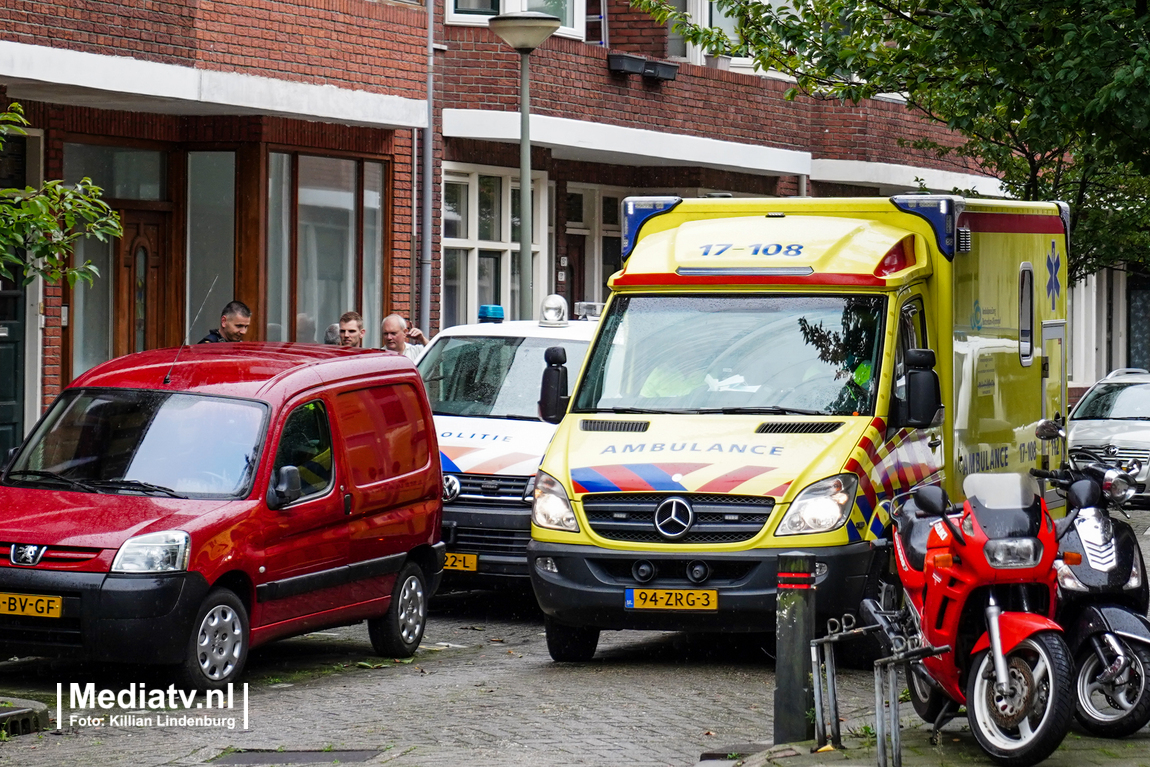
[234,322]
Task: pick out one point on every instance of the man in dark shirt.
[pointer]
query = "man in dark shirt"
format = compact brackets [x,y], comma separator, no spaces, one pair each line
[234,322]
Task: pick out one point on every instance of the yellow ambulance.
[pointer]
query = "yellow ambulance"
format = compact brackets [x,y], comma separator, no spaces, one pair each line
[768,376]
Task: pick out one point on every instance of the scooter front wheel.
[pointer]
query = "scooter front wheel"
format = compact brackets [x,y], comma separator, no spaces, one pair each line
[1022,725]
[1117,708]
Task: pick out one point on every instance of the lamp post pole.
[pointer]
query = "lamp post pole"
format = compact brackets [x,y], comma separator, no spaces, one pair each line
[524,32]
[525,198]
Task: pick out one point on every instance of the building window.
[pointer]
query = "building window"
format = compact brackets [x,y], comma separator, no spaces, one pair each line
[211,239]
[325,245]
[481,228]
[124,173]
[572,14]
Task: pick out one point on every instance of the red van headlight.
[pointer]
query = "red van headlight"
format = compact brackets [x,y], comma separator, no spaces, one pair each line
[154,553]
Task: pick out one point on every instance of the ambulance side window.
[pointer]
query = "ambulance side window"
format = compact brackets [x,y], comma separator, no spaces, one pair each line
[306,444]
[1026,314]
[911,335]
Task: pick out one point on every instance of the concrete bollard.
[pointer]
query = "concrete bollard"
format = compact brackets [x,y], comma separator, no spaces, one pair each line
[794,630]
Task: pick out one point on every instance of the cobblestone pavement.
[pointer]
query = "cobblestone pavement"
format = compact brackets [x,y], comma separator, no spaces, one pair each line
[482,691]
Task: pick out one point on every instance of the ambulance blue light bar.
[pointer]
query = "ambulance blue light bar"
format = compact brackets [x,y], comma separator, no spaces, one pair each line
[637,211]
[941,211]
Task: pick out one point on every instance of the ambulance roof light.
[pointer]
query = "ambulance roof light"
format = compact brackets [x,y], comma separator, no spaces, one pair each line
[553,312]
[941,211]
[491,313]
[899,257]
[636,212]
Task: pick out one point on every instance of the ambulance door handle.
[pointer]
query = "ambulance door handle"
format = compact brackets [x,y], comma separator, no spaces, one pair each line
[935,442]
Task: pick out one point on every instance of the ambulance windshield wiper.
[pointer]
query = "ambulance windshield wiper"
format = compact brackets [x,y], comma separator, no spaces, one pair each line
[759,410]
[636,410]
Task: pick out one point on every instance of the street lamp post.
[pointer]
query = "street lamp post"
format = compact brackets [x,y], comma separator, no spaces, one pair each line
[524,32]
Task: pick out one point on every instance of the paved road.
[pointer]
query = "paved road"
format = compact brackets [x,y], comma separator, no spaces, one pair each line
[483,691]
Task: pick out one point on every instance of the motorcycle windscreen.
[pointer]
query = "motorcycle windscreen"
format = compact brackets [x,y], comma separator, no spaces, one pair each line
[1006,505]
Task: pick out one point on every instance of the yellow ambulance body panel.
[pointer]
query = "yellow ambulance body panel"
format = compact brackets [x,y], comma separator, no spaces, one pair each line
[750,391]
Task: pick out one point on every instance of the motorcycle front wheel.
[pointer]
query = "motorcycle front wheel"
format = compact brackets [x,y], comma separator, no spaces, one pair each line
[1118,708]
[1023,725]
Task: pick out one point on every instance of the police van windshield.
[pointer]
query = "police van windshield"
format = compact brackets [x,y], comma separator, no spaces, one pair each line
[492,376]
[128,441]
[806,355]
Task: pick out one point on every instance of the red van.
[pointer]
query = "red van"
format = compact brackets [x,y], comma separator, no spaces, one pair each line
[182,506]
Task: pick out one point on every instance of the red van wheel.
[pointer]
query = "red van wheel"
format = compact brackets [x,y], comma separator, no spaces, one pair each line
[398,633]
[218,646]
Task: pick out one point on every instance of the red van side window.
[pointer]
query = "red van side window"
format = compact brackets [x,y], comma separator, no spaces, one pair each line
[384,432]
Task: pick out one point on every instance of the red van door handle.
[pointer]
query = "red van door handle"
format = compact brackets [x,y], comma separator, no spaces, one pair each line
[347,503]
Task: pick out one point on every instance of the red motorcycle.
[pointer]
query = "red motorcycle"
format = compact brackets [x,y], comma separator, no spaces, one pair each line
[979,578]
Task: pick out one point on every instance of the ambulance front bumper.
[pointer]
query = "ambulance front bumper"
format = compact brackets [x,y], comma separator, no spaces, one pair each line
[589,589]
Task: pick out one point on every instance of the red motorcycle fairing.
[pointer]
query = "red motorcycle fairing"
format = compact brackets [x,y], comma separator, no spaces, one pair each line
[1014,628]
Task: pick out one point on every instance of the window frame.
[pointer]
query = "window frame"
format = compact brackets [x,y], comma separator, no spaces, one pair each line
[385,225]
[508,248]
[1026,270]
[479,19]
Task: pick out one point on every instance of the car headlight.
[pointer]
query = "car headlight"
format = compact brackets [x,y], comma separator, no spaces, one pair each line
[1118,486]
[820,507]
[1066,577]
[154,553]
[1135,573]
[552,509]
[1006,553]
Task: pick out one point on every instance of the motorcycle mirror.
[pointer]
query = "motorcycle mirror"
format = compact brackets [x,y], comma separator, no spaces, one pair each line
[1048,429]
[931,500]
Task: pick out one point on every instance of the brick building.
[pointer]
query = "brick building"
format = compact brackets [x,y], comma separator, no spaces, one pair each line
[265,151]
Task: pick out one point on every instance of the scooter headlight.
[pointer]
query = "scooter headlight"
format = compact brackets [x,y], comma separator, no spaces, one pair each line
[1118,486]
[1135,573]
[1005,553]
[552,508]
[820,507]
[1066,577]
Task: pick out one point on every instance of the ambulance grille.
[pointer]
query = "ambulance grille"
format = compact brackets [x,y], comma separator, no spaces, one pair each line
[798,428]
[718,518]
[598,425]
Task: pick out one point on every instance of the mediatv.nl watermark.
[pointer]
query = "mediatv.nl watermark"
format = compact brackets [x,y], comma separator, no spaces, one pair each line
[149,707]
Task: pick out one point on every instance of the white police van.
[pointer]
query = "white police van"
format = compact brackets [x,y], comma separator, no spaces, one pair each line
[483,382]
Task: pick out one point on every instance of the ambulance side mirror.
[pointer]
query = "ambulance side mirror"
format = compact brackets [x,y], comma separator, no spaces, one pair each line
[553,397]
[923,394]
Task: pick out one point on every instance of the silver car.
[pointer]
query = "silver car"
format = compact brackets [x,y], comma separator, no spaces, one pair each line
[1113,420]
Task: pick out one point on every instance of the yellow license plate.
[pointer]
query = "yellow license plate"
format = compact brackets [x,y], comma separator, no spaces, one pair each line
[671,599]
[469,562]
[31,604]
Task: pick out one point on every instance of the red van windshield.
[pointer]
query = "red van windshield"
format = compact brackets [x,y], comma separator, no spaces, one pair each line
[137,441]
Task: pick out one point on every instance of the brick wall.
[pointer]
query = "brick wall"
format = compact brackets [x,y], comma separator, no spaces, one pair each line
[633,31]
[359,44]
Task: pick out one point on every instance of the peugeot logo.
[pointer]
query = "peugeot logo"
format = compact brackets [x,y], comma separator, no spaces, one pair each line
[26,554]
[674,518]
[450,487]
[1111,450]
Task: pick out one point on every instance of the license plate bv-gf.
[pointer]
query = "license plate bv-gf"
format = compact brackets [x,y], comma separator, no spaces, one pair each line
[31,604]
[468,562]
[671,599]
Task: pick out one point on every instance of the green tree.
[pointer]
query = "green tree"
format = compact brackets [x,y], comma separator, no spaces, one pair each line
[1044,92]
[39,227]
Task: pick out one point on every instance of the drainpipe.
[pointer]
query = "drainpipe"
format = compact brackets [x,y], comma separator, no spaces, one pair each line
[412,247]
[428,148]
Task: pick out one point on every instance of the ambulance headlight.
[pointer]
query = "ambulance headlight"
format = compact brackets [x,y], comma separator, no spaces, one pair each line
[552,509]
[821,507]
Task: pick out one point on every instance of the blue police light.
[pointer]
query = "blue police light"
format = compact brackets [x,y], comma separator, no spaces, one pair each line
[636,212]
[490,313]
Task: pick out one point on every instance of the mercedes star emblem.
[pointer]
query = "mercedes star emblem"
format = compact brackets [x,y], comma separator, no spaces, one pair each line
[450,487]
[673,518]
[26,554]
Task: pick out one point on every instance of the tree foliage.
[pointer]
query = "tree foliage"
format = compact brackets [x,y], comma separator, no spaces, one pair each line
[39,228]
[1049,95]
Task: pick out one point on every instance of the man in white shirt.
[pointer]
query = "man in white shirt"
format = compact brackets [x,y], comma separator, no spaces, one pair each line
[396,333]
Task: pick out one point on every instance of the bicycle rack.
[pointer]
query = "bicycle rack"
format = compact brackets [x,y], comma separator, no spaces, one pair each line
[886,693]
[823,666]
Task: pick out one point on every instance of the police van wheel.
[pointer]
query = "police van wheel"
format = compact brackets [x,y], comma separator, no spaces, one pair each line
[218,646]
[398,633]
[570,644]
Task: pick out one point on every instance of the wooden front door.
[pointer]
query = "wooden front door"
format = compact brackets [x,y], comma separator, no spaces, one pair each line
[576,247]
[143,306]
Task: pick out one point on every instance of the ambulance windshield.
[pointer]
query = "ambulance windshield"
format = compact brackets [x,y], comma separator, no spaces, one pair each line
[492,376]
[806,355]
